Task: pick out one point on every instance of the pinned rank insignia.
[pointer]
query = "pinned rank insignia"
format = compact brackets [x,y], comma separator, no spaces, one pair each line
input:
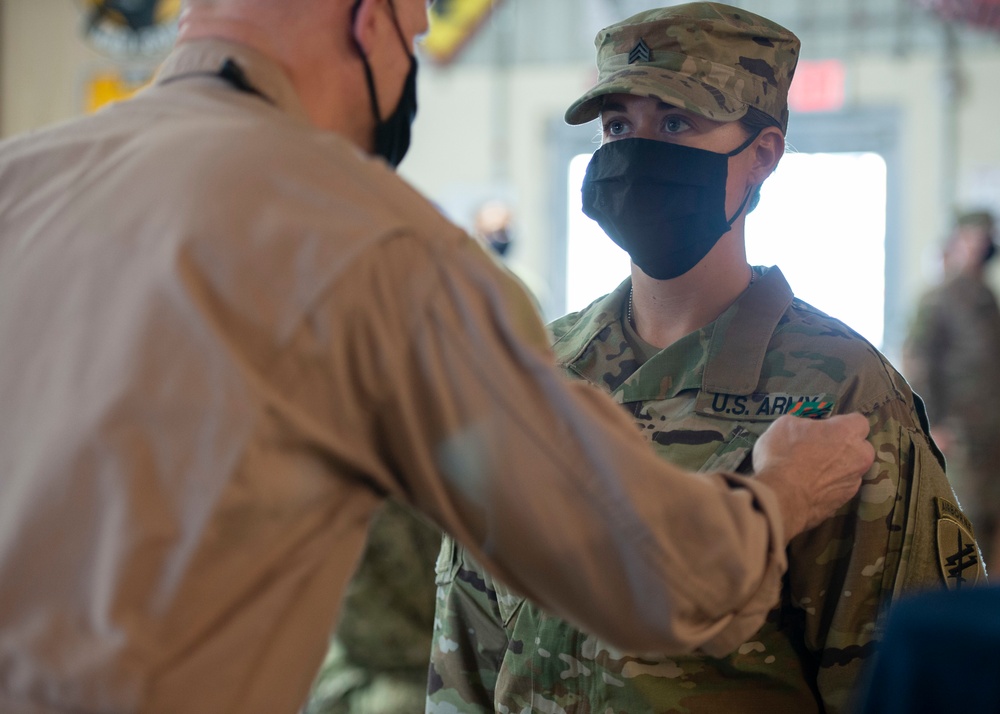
[811,409]
[958,554]
[640,53]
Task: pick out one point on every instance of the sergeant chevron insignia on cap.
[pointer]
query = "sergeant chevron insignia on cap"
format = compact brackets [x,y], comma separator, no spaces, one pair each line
[640,53]
[711,59]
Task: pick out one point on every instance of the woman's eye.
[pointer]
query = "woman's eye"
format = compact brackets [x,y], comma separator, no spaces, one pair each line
[675,124]
[616,127]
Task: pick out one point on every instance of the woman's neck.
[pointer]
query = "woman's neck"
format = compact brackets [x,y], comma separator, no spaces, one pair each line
[663,311]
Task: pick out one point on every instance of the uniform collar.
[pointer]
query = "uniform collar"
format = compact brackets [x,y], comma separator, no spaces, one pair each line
[742,333]
[207,57]
[592,320]
[724,357]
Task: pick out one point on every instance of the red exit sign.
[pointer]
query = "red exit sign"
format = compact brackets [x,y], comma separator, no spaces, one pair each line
[818,86]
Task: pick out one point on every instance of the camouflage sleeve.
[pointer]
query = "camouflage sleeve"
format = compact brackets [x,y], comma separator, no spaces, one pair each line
[379,653]
[469,638]
[389,606]
[844,573]
[938,545]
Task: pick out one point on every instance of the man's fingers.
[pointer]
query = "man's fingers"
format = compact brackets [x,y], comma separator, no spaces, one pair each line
[815,466]
[855,424]
[857,429]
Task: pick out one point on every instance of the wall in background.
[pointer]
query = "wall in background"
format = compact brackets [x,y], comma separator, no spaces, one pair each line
[485,121]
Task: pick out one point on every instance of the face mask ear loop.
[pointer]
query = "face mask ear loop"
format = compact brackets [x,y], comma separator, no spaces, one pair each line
[739,210]
[399,30]
[739,150]
[364,60]
[743,147]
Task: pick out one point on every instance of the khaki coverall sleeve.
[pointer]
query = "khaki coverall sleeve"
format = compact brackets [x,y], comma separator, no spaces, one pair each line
[546,481]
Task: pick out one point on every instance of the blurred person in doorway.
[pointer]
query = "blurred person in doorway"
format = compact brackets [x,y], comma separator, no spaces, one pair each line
[704,352]
[492,224]
[951,358]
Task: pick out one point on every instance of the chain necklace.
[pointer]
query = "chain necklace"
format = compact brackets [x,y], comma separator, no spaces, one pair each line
[753,277]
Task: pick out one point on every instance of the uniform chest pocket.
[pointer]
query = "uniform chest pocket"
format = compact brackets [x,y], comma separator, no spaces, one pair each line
[447,563]
[733,454]
[508,603]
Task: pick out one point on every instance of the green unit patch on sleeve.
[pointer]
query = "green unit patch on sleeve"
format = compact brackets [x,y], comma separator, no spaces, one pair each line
[811,409]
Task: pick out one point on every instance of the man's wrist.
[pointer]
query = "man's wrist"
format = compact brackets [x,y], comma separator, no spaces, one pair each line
[793,511]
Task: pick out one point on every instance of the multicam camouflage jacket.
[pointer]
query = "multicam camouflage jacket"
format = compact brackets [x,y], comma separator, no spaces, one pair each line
[377,661]
[703,402]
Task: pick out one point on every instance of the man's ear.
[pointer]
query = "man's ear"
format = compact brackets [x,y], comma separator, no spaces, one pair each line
[769,148]
[363,24]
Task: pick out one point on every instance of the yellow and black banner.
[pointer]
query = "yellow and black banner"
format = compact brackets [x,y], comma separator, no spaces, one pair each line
[112,85]
[452,24]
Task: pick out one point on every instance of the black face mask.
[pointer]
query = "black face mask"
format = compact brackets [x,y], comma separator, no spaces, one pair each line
[392,134]
[663,203]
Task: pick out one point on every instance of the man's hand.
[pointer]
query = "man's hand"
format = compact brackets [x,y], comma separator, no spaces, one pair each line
[814,466]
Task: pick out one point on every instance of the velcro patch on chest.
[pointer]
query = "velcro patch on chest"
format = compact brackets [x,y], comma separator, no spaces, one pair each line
[764,406]
[958,554]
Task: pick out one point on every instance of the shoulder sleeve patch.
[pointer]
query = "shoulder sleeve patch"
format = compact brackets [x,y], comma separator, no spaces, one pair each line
[958,554]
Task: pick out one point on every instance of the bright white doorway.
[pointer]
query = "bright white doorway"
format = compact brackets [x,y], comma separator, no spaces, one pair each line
[821,219]
[594,264]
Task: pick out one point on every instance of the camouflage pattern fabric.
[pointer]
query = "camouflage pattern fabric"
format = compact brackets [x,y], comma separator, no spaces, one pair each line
[952,351]
[702,403]
[711,59]
[377,662]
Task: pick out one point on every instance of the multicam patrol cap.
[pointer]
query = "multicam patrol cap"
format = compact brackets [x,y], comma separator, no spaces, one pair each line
[708,58]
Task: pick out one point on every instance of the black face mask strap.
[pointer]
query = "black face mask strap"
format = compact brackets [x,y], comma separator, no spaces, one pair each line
[231,73]
[364,58]
[739,150]
[364,61]
[743,147]
[743,205]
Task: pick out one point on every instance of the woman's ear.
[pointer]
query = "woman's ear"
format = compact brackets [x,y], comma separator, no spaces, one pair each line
[769,148]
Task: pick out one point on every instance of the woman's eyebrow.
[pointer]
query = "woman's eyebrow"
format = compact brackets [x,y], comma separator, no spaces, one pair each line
[619,107]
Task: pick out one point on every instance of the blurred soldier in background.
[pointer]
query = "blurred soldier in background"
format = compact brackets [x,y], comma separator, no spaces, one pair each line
[951,359]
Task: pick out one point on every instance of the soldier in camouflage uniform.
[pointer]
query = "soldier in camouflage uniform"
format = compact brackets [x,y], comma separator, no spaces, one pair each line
[377,662]
[951,359]
[702,396]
